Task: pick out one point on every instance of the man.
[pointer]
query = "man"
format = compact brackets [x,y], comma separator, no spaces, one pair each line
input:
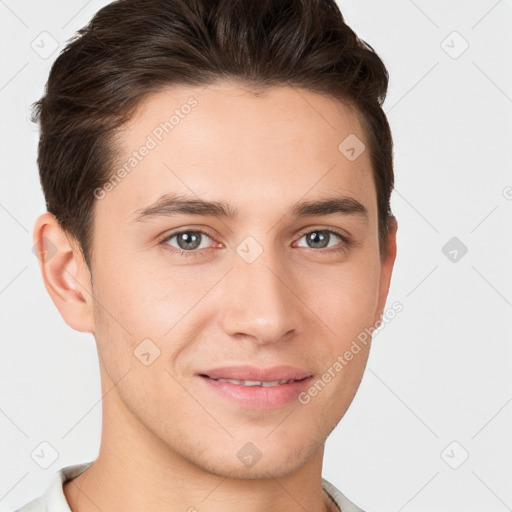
[217,178]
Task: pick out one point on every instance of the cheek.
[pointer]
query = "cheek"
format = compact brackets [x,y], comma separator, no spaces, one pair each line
[144,299]
[136,303]
[348,298]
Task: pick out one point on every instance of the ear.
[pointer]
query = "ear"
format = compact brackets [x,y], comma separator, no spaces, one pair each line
[65,273]
[386,268]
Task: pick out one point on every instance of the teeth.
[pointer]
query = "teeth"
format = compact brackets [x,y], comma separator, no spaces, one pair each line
[255,382]
[273,383]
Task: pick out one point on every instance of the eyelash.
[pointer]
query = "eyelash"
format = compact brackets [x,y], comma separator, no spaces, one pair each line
[346,241]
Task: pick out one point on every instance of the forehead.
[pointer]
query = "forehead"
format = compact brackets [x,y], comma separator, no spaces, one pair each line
[224,142]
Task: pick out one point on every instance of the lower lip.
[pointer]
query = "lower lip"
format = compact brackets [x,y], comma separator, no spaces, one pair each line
[259,397]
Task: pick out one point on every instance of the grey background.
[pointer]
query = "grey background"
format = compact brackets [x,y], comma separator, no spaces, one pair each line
[437,386]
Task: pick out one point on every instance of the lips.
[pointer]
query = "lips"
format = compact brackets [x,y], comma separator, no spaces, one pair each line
[254,376]
[256,388]
[266,384]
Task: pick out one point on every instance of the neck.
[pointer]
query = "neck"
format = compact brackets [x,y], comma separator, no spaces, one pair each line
[135,470]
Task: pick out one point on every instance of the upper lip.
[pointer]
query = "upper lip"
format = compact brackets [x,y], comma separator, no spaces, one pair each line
[248,372]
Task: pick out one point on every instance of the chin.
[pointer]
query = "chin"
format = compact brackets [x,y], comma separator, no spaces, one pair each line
[261,470]
[251,460]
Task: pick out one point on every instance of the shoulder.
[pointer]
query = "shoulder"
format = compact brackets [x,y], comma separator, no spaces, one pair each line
[54,500]
[36,505]
[344,504]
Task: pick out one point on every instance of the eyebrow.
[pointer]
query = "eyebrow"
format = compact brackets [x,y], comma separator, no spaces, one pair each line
[171,205]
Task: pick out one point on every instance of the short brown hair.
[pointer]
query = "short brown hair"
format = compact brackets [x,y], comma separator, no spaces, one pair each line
[132,48]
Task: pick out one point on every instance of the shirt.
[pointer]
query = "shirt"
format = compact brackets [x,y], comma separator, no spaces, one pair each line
[54,500]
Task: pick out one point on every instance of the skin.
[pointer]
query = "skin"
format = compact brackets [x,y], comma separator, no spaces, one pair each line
[167,442]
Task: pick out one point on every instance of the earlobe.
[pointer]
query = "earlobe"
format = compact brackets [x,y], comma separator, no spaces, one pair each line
[65,273]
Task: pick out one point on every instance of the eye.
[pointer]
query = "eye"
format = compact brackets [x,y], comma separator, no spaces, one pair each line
[188,242]
[320,239]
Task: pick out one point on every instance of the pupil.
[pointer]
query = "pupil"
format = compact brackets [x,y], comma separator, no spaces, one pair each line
[189,241]
[317,238]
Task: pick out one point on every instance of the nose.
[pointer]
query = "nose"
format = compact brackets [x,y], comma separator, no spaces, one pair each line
[261,301]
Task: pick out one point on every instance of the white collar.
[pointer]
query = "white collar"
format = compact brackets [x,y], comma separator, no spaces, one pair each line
[54,499]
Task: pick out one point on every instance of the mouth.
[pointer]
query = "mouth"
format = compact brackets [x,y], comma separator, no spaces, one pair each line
[262,389]
[255,375]
[262,383]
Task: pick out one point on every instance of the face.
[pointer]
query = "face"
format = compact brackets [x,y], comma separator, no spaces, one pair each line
[181,291]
